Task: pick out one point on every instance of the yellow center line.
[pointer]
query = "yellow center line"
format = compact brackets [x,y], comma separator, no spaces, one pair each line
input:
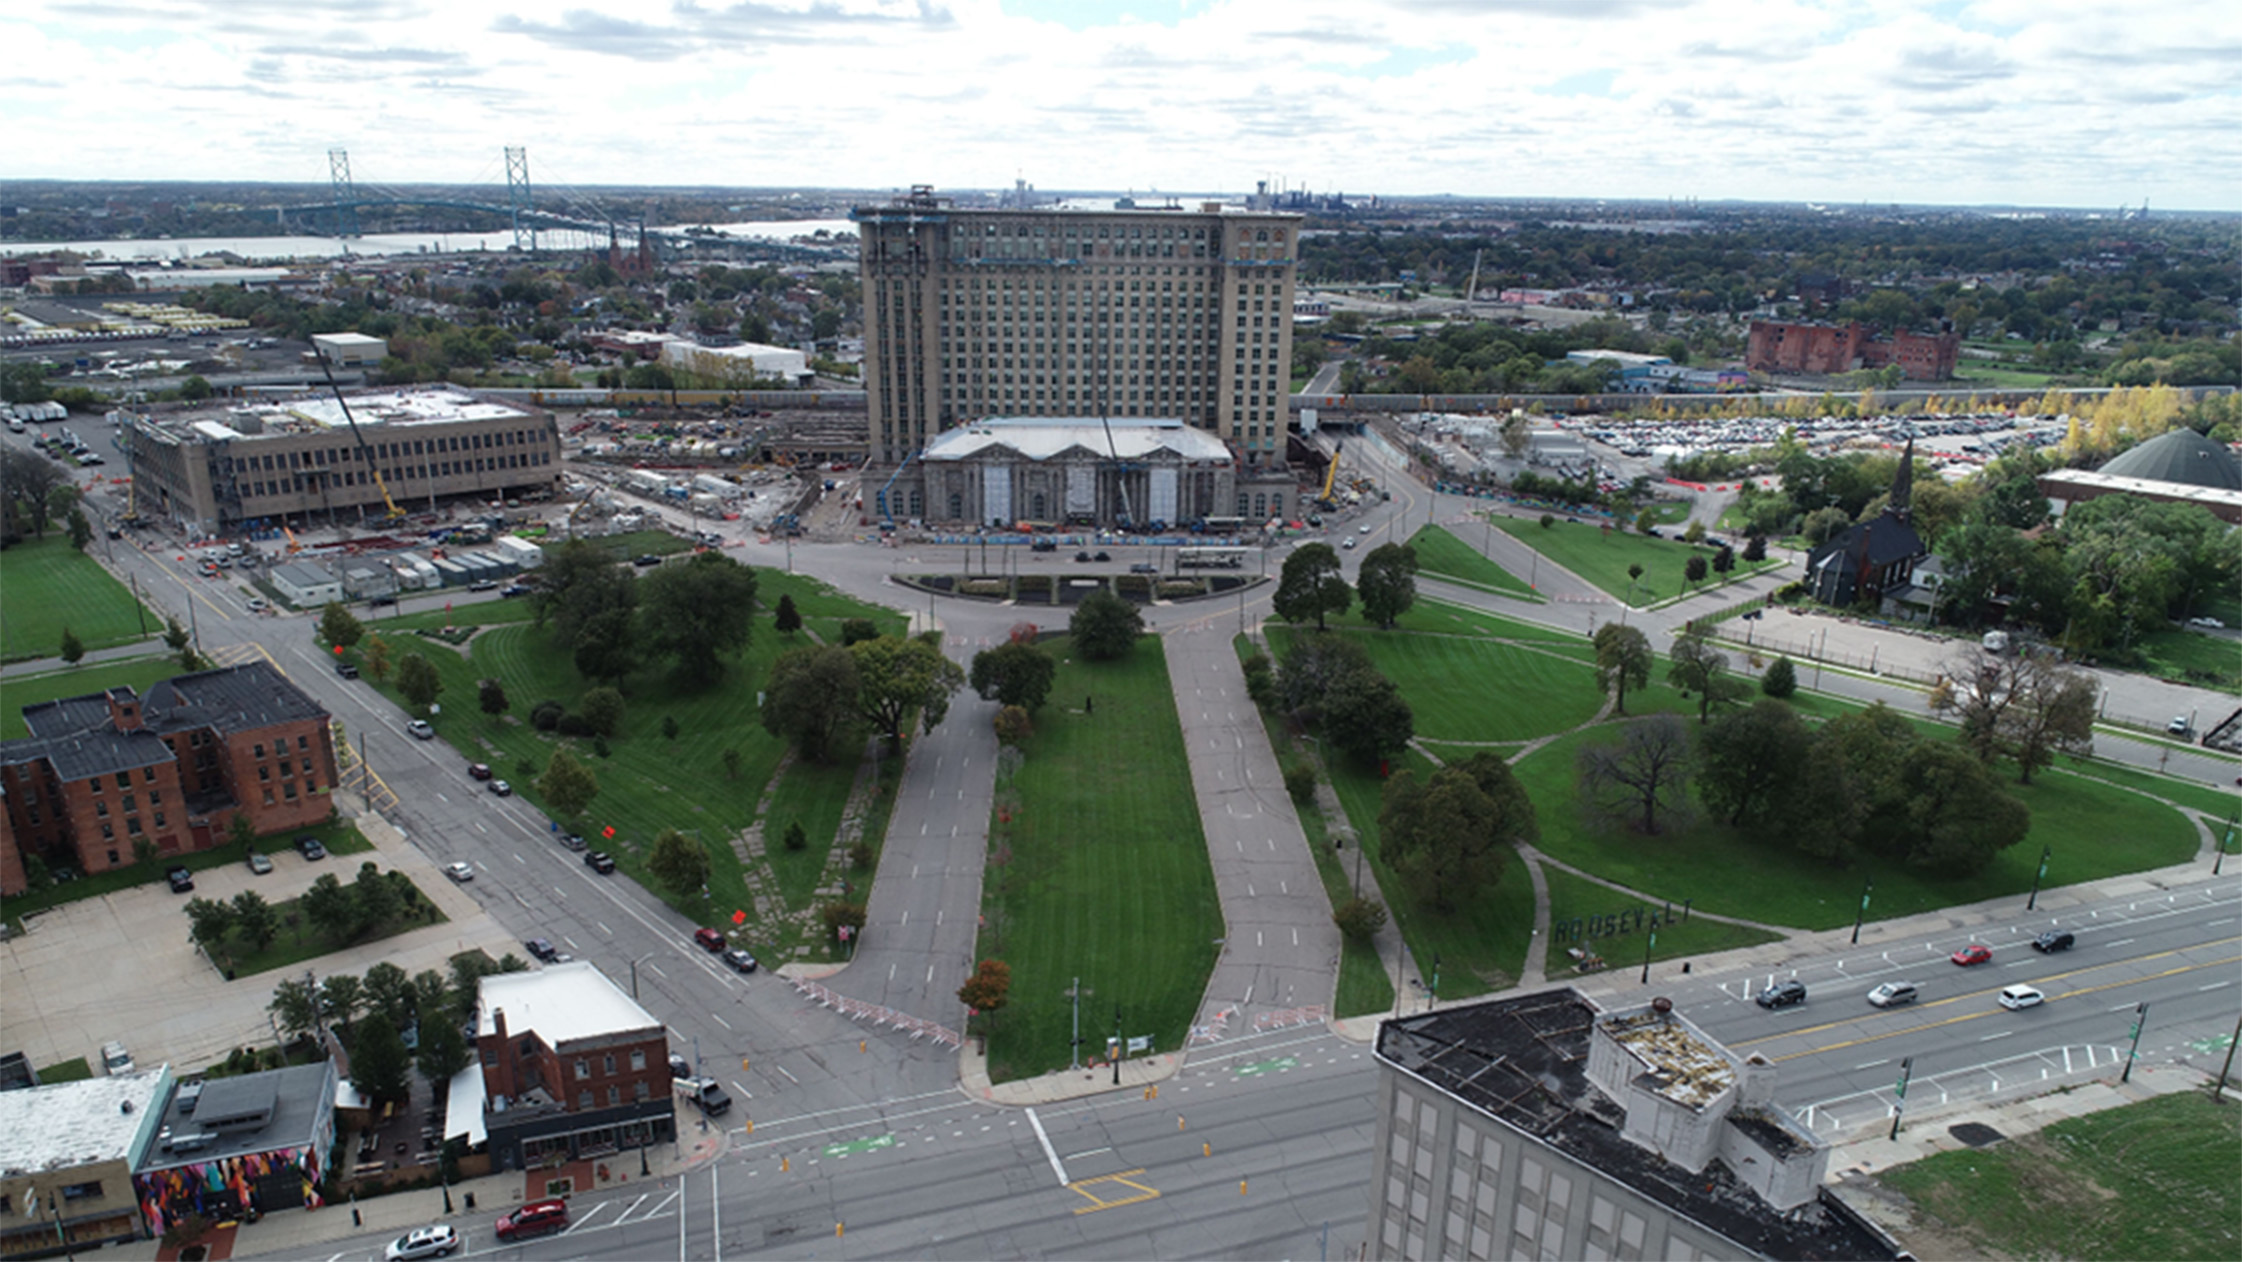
[1972,1016]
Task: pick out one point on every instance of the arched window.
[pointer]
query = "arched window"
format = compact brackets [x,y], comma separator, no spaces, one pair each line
[1037,503]
[957,506]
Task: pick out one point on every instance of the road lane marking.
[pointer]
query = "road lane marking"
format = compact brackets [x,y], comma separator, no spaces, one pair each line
[1127,1179]
[1050,1154]
[719,1019]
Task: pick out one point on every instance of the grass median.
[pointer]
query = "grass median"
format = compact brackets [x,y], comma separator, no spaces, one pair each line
[46,586]
[1440,554]
[1601,557]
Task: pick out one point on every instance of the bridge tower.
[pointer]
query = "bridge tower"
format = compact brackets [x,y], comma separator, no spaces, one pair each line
[517,196]
[346,195]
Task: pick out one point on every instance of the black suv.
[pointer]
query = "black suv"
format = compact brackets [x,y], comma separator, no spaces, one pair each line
[310,848]
[542,949]
[599,861]
[1783,995]
[2053,940]
[181,879]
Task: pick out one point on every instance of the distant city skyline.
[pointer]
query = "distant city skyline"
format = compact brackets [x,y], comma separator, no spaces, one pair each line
[2045,103]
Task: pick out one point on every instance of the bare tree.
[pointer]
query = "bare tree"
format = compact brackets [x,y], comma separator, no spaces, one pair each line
[1642,779]
[2027,707]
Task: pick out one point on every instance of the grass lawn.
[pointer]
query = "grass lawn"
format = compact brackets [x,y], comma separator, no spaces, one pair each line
[2193,657]
[1442,554]
[298,942]
[1102,870]
[18,691]
[73,1070]
[1571,898]
[1980,372]
[1436,615]
[2149,1180]
[1602,557]
[2095,830]
[1465,689]
[46,585]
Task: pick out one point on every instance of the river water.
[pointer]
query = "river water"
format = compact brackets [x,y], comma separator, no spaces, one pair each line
[283,249]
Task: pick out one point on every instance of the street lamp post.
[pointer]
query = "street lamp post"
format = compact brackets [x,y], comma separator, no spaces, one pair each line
[2140,1018]
[2037,877]
[634,974]
[1117,1046]
[1866,887]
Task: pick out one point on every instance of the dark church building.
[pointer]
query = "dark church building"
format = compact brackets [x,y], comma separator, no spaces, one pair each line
[1875,556]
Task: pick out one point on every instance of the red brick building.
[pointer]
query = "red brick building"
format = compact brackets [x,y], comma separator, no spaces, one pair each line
[1831,349]
[102,771]
[569,1068]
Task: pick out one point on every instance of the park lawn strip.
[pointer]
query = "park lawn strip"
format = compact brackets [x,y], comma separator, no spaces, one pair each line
[46,586]
[17,691]
[812,794]
[2095,830]
[1572,897]
[1601,557]
[1431,614]
[1441,554]
[2191,657]
[1468,689]
[1102,870]
[2148,1180]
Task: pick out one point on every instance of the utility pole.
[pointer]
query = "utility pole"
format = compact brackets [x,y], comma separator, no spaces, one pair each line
[1906,1068]
[2140,1018]
[1648,946]
[2038,877]
[1117,1045]
[1866,888]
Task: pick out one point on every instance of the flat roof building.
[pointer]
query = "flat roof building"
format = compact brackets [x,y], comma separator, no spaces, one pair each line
[225,470]
[571,1067]
[67,1155]
[232,1146]
[1059,313]
[1544,1126]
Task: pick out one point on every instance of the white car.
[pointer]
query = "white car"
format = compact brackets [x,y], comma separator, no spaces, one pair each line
[460,871]
[422,1242]
[2015,997]
[420,729]
[2212,623]
[1363,529]
[258,604]
[1892,994]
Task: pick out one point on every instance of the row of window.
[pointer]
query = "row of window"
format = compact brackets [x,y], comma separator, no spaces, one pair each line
[295,484]
[350,453]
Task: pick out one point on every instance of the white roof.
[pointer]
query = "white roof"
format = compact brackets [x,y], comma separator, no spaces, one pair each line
[463,1105]
[416,404]
[561,1003]
[73,1124]
[346,339]
[1041,438]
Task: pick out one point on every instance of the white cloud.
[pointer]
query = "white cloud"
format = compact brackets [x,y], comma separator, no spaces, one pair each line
[2032,101]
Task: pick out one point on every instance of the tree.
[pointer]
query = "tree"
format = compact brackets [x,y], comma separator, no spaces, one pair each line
[1646,521]
[986,991]
[1312,667]
[418,681]
[857,630]
[176,637]
[678,862]
[378,662]
[895,676]
[1634,576]
[731,762]
[796,839]
[1517,435]
[1755,549]
[1693,570]
[839,915]
[1696,666]
[810,700]
[1724,560]
[195,388]
[788,619]
[1105,627]
[580,583]
[1781,679]
[389,993]
[1447,840]
[1745,763]
[1639,777]
[73,649]
[1014,674]
[1958,819]
[670,729]
[379,1066]
[492,695]
[1695,533]
[373,898]
[602,710]
[81,530]
[443,1048]
[1013,725]
[295,1006]
[327,909]
[338,627]
[255,920]
[2025,707]
[1387,583]
[209,921]
[341,997]
[1311,586]
[606,645]
[695,611]
[1623,660]
[1359,919]
[568,786]
[1364,715]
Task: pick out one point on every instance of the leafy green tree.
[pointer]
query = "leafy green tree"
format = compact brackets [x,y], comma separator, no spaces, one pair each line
[443,1047]
[81,530]
[696,611]
[1755,549]
[255,920]
[678,862]
[1311,585]
[895,676]
[194,389]
[342,997]
[1364,715]
[491,694]
[338,627]
[1693,569]
[1013,725]
[2024,707]
[855,631]
[1623,661]
[1105,627]
[1447,839]
[1387,583]
[328,910]
[418,681]
[568,786]
[209,921]
[378,660]
[295,1006]
[732,762]
[1958,818]
[73,648]
[24,381]
[390,994]
[788,619]
[796,839]
[670,729]
[1695,666]
[578,581]
[379,1065]
[1781,679]
[1695,533]
[1724,560]
[1646,521]
[175,635]
[810,701]
[1745,761]
[602,710]
[1014,674]
[1312,667]
[607,645]
[373,898]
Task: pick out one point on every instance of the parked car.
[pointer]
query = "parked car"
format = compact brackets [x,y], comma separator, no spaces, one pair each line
[1974,953]
[483,585]
[599,861]
[479,770]
[347,671]
[115,1059]
[501,788]
[1083,557]
[1144,567]
[462,872]
[740,960]
[678,1068]
[1892,995]
[2179,725]
[2212,623]
[514,589]
[258,864]
[711,939]
[310,847]
[533,1219]
[422,1242]
[1783,995]
[420,730]
[181,879]
[258,604]
[2015,997]
[572,841]
[542,950]
[2054,940]
[646,560]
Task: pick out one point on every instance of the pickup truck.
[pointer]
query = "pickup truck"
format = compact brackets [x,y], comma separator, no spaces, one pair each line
[706,1093]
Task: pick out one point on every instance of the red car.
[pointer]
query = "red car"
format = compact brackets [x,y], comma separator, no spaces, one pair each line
[712,939]
[1974,953]
[478,770]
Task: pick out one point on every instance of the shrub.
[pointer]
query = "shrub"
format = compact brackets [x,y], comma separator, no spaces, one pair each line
[1781,679]
[603,710]
[857,630]
[573,725]
[1548,520]
[1359,919]
[860,856]
[599,747]
[545,716]
[1300,782]
[796,839]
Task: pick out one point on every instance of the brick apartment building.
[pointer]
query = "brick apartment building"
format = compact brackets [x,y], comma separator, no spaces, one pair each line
[102,771]
[568,1068]
[1830,349]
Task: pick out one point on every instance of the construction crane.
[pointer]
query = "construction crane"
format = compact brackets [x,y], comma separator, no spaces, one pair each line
[1331,474]
[365,452]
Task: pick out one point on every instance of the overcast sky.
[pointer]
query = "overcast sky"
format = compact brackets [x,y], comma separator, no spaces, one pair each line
[2035,102]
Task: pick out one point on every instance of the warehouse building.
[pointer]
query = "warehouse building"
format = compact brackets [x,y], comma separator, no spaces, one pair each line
[227,470]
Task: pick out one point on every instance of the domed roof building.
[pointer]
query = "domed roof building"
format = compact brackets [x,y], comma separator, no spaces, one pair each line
[2181,467]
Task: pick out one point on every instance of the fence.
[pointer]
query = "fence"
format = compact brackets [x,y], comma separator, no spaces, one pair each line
[858,1010]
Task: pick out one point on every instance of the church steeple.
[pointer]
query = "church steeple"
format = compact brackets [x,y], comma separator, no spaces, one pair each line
[1903,483]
